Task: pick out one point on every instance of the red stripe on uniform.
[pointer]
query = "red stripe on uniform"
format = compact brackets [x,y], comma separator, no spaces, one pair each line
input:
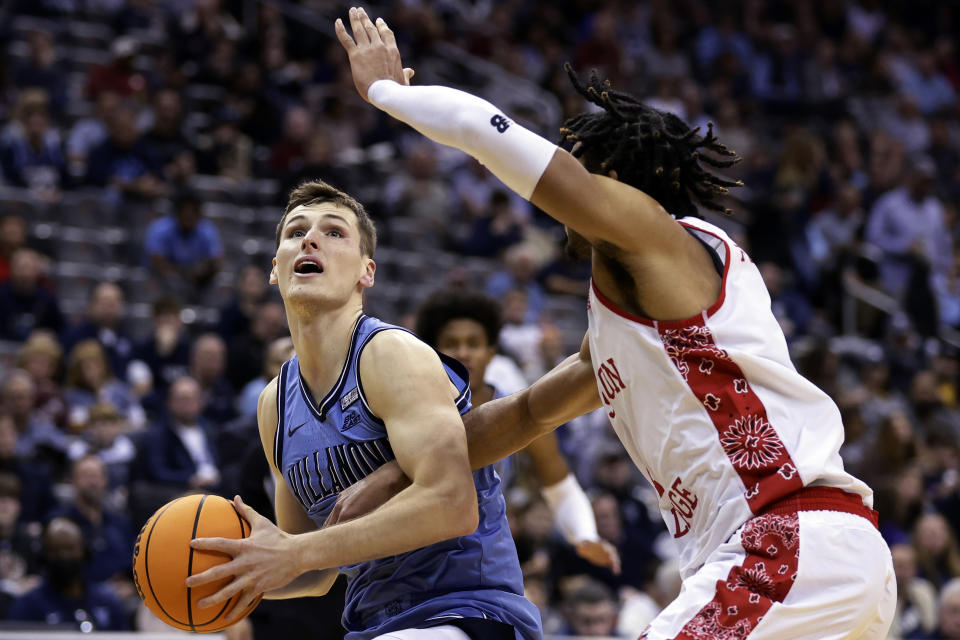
[752,445]
[772,546]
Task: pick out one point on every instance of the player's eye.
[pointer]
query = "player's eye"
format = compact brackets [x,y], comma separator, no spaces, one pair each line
[297,233]
[335,233]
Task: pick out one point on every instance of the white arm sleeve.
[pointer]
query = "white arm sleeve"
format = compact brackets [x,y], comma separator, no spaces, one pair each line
[571,510]
[514,154]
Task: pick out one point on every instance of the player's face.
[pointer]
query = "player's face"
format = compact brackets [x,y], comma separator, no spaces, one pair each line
[465,340]
[319,260]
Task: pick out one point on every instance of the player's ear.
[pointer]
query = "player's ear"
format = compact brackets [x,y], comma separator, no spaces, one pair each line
[369,269]
[274,279]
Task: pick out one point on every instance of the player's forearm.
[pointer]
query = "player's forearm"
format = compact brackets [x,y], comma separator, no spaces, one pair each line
[416,517]
[503,426]
[514,154]
[306,585]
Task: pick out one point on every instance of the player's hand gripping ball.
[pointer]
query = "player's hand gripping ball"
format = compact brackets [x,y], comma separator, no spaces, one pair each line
[163,560]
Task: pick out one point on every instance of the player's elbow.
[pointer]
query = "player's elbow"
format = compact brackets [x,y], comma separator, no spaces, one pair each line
[460,509]
[467,516]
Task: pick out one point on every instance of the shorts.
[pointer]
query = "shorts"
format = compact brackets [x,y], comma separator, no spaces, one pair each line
[456,629]
[810,566]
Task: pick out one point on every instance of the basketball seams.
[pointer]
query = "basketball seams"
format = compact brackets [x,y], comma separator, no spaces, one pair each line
[146,566]
[196,522]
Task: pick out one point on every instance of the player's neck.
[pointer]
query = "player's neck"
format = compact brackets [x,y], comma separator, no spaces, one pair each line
[321,343]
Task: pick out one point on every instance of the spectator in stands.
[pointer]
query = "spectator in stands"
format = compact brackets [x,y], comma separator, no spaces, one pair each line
[105,436]
[36,496]
[90,381]
[925,84]
[318,162]
[125,162]
[165,353]
[590,609]
[119,76]
[208,365]
[89,133]
[908,225]
[278,352]
[246,352]
[287,154]
[227,151]
[790,307]
[42,70]
[167,139]
[41,357]
[418,191]
[105,322]
[519,272]
[929,414]
[13,236]
[916,597]
[30,150]
[249,292]
[19,546]
[179,451]
[938,556]
[949,616]
[66,596]
[499,226]
[184,248]
[26,304]
[108,533]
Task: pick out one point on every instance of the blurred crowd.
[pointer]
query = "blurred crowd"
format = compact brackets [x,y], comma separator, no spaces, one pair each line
[845,113]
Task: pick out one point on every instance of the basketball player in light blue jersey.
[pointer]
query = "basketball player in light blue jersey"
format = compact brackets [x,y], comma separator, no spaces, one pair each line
[437,561]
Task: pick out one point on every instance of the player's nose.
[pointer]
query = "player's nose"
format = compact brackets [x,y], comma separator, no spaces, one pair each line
[311,239]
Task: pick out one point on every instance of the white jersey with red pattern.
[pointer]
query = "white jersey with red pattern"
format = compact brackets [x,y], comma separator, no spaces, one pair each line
[711,409]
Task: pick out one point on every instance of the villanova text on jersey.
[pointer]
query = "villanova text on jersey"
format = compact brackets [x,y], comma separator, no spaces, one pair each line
[323,448]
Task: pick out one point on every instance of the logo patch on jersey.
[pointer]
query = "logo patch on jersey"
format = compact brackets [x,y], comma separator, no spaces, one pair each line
[349,398]
[610,384]
[350,420]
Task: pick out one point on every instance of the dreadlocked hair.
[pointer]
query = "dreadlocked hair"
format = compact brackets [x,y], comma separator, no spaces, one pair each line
[651,150]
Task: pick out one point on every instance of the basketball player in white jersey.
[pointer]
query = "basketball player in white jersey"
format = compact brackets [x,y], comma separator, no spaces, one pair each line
[776,540]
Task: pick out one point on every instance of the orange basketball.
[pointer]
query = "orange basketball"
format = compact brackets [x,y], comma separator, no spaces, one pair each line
[163,560]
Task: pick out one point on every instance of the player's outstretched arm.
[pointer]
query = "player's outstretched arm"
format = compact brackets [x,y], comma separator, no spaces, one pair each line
[598,208]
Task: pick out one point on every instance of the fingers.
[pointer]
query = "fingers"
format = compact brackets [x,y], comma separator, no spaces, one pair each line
[223,545]
[386,35]
[356,25]
[343,36]
[247,511]
[373,34]
[244,600]
[223,595]
[212,574]
[408,74]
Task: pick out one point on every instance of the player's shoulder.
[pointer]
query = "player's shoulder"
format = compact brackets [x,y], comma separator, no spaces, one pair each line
[393,353]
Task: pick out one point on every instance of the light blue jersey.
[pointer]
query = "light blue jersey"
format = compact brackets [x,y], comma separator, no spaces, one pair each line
[324,448]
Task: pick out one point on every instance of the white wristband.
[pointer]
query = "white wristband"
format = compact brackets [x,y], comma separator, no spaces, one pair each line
[571,510]
[514,154]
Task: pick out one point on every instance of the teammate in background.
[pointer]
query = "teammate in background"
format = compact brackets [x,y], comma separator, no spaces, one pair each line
[357,393]
[776,540]
[465,325]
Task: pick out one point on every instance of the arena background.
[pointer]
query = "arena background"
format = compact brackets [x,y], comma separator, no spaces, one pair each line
[122,120]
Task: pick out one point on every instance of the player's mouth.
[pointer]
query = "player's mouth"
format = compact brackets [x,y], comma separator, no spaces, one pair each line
[307,266]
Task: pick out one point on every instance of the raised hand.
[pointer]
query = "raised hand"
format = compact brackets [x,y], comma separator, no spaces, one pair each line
[372,51]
